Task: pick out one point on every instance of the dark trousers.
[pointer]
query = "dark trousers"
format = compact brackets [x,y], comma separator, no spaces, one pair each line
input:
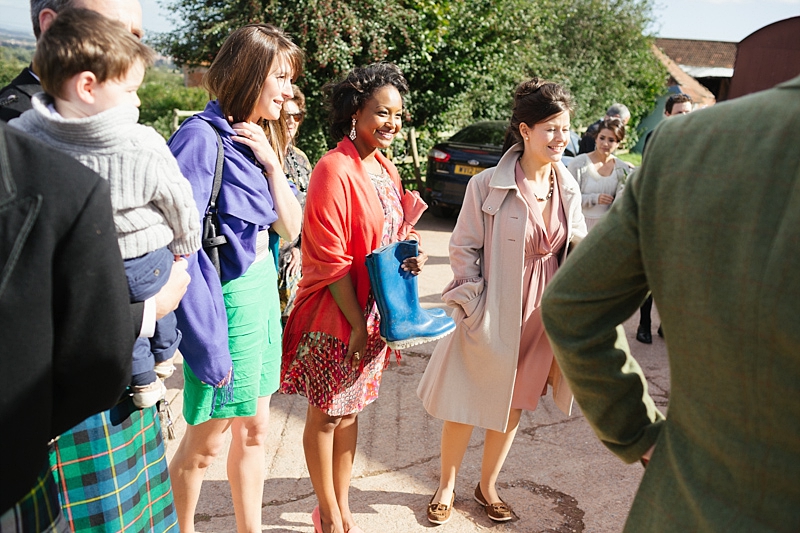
[146,276]
[644,313]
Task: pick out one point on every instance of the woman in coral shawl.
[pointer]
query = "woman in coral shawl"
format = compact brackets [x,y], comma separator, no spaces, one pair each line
[333,352]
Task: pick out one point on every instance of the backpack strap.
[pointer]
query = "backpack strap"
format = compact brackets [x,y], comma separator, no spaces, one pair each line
[212,201]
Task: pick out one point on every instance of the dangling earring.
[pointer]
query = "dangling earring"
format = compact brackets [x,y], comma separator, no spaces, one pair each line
[353,131]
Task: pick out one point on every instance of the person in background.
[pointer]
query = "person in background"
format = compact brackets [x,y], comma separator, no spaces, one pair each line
[619,111]
[332,350]
[518,221]
[713,233]
[298,170]
[676,105]
[601,175]
[15,98]
[231,319]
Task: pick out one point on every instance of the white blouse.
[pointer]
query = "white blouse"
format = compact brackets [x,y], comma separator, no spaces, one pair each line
[592,184]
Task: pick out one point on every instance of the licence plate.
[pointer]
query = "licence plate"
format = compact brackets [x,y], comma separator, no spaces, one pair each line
[466,170]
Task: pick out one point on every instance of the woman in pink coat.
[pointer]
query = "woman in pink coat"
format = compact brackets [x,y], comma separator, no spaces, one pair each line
[513,232]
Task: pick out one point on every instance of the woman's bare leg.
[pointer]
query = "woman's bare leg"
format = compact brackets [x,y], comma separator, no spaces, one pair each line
[246,467]
[196,451]
[318,445]
[455,439]
[345,438]
[495,451]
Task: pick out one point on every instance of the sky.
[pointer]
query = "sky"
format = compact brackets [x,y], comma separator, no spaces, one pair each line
[714,20]
[719,20]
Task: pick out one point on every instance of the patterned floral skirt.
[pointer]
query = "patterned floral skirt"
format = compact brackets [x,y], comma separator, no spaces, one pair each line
[319,371]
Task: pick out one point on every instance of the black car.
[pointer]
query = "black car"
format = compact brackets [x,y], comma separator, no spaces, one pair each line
[452,163]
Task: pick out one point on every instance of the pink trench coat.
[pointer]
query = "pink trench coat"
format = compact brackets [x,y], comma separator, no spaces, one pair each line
[470,377]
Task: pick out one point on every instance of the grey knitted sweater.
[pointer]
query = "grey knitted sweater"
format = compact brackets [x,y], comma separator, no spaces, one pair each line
[152,201]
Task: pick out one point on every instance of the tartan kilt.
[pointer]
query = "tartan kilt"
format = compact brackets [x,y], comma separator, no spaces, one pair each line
[111,472]
[38,511]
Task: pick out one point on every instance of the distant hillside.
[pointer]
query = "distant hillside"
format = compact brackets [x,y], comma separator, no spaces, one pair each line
[14,37]
[13,58]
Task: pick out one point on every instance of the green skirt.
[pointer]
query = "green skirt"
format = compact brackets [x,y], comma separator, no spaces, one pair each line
[254,339]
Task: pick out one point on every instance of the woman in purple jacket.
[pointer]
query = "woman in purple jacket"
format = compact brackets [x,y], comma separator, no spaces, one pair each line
[231,321]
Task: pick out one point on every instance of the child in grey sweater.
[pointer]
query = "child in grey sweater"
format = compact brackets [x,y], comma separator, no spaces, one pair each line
[90,68]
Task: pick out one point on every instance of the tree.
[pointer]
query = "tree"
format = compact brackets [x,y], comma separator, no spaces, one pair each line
[161,92]
[334,34]
[462,58]
[599,50]
[13,58]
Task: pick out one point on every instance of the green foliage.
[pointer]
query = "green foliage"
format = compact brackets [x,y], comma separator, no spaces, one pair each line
[598,49]
[12,60]
[161,92]
[462,58]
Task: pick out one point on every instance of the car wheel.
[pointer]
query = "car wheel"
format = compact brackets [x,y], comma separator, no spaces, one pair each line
[440,211]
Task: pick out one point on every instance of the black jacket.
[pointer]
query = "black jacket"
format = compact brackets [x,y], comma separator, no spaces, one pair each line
[65,319]
[15,98]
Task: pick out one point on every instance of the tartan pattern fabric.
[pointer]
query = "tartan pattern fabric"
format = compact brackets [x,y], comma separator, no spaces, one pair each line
[111,472]
[38,511]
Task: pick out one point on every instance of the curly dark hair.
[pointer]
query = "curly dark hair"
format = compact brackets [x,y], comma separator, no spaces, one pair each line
[349,95]
[535,100]
[678,98]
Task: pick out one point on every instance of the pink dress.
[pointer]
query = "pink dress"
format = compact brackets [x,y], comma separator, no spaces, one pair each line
[542,252]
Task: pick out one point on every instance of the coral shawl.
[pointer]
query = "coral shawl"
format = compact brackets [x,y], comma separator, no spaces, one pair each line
[342,223]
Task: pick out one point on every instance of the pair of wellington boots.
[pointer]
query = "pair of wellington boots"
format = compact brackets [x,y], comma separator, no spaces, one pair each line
[403,322]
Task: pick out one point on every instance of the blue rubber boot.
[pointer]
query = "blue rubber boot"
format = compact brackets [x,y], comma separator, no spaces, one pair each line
[403,322]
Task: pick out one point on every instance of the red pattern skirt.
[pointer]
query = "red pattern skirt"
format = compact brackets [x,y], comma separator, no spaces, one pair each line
[319,372]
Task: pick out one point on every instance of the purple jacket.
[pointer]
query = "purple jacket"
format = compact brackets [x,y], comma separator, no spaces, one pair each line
[245,207]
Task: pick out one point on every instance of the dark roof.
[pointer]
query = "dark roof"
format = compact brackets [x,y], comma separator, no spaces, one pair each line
[696,53]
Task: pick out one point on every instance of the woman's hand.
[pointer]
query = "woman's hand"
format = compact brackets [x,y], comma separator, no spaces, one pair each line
[344,294]
[605,199]
[168,298]
[290,216]
[415,264]
[293,267]
[357,346]
[253,135]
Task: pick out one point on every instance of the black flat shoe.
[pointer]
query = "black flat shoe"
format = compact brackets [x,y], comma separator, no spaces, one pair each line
[660,332]
[643,335]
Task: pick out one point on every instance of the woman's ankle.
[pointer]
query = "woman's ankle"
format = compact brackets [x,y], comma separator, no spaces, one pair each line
[444,494]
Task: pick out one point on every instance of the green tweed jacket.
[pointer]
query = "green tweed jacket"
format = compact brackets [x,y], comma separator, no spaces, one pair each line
[711,224]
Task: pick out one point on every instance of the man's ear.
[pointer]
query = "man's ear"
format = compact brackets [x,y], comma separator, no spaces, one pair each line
[46,18]
[84,86]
